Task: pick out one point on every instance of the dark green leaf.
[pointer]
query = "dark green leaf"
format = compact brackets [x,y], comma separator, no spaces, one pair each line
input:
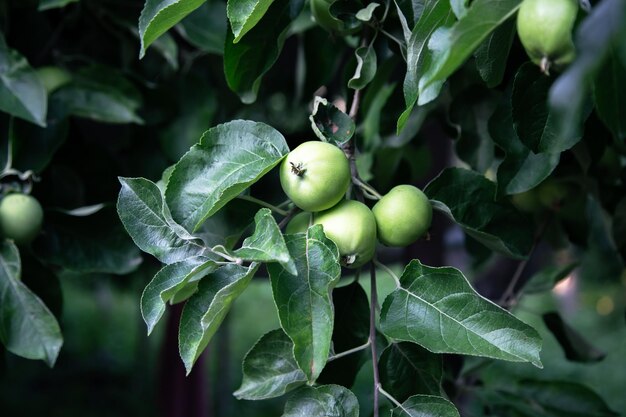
[205,28]
[351,329]
[492,54]
[548,277]
[468,198]
[167,282]
[205,310]
[575,346]
[594,36]
[454,46]
[269,368]
[54,4]
[303,301]
[100,94]
[533,121]
[609,83]
[425,406]
[329,123]
[435,14]
[407,369]
[438,309]
[27,327]
[22,93]
[266,243]
[95,243]
[229,158]
[158,16]
[521,169]
[619,227]
[245,14]
[247,61]
[365,67]
[324,400]
[142,209]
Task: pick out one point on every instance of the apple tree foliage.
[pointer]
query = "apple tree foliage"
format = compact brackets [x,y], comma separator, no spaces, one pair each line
[216,93]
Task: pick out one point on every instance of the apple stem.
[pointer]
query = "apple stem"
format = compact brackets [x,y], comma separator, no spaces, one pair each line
[545,65]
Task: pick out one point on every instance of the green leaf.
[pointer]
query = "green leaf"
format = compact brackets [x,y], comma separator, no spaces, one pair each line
[245,14]
[425,406]
[27,327]
[22,93]
[532,119]
[521,169]
[366,14]
[351,329]
[205,310]
[439,310]
[595,35]
[303,301]
[158,16]
[575,346]
[324,400]
[266,243]
[365,67]
[468,198]
[141,207]
[329,123]
[167,282]
[229,158]
[618,229]
[547,278]
[436,14]
[269,368]
[54,4]
[407,369]
[247,61]
[456,45]
[205,28]
[493,52]
[101,94]
[88,244]
[608,85]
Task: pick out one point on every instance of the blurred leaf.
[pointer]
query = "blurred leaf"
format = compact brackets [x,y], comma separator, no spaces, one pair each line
[351,329]
[426,406]
[303,301]
[95,243]
[158,16]
[142,209]
[329,123]
[323,400]
[608,84]
[493,53]
[229,158]
[266,243]
[371,122]
[547,278]
[167,282]
[101,94]
[619,227]
[245,14]
[22,93]
[533,121]
[575,346]
[205,310]
[468,198]
[54,4]
[594,37]
[227,225]
[365,67]
[439,310]
[269,368]
[435,14]
[407,369]
[205,28]
[450,50]
[247,61]
[27,327]
[521,169]
[365,14]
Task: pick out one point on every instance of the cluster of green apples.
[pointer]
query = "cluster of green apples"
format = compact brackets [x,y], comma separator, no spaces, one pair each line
[21,217]
[316,176]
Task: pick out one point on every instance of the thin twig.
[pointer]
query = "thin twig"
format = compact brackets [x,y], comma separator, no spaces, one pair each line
[290,214]
[372,338]
[263,204]
[393,400]
[349,352]
[387,270]
[367,189]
